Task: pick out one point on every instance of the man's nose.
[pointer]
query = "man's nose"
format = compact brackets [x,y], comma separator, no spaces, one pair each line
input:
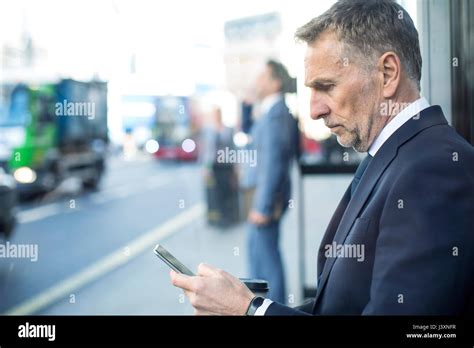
[318,106]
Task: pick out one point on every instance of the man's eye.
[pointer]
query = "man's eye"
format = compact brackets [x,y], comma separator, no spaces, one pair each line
[326,88]
[323,88]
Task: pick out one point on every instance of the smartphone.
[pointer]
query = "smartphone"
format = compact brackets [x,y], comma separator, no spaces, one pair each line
[171,261]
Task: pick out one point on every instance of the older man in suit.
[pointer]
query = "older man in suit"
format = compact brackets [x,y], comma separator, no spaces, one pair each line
[410,206]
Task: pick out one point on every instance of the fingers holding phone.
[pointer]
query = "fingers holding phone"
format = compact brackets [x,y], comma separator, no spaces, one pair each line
[211,291]
[214,291]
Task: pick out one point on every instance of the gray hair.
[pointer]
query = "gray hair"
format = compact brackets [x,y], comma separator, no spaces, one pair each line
[370,27]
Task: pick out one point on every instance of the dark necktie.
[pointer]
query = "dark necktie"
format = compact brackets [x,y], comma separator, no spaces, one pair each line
[359,172]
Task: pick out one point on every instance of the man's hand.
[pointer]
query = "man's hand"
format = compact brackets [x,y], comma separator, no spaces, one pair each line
[214,291]
[258,218]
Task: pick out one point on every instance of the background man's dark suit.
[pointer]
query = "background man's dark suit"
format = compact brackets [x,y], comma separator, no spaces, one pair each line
[275,141]
[414,213]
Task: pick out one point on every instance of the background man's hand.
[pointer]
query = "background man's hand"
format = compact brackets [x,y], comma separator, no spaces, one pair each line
[214,291]
[258,218]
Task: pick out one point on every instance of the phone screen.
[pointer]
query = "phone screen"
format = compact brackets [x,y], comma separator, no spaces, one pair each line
[171,261]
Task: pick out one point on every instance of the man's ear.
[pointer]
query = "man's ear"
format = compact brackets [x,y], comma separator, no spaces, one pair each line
[277,85]
[390,66]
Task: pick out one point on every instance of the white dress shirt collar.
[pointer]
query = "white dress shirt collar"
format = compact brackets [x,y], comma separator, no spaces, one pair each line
[269,101]
[403,116]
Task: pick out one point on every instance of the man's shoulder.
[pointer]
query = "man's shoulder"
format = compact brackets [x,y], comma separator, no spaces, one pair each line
[280,109]
[434,143]
[437,150]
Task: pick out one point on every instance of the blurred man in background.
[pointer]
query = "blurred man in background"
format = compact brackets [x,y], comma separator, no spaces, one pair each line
[273,137]
[219,176]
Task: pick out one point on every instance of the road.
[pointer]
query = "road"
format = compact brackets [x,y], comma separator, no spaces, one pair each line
[73,232]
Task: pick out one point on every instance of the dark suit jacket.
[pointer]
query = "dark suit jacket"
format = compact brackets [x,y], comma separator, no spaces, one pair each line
[413,212]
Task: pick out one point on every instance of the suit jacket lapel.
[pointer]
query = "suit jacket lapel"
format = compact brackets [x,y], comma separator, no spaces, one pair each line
[332,228]
[429,117]
[367,183]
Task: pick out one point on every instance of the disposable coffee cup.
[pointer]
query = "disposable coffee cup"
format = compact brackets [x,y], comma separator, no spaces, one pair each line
[258,286]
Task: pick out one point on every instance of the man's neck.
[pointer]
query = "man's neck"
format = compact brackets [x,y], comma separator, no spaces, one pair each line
[269,96]
[389,109]
[412,110]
